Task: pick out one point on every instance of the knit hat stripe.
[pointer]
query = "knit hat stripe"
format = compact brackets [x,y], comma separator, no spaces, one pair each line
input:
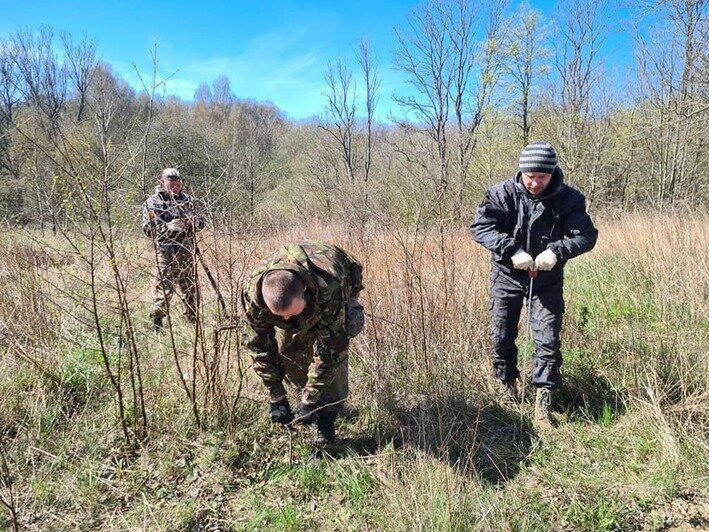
[537,161]
[538,156]
[543,168]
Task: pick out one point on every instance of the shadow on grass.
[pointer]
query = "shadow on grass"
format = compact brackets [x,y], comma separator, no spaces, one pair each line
[587,395]
[488,443]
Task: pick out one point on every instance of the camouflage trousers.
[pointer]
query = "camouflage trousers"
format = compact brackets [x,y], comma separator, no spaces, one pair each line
[295,355]
[175,269]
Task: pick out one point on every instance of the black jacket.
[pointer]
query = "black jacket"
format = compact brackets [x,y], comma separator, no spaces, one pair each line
[509,220]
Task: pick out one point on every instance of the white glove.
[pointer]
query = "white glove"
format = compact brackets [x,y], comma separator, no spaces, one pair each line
[546,260]
[522,260]
[177,225]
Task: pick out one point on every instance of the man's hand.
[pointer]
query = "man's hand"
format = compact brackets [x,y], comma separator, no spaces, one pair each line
[303,413]
[546,260]
[522,261]
[280,412]
[178,225]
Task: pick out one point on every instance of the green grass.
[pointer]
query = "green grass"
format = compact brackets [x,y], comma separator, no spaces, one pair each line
[431,451]
[590,475]
[286,516]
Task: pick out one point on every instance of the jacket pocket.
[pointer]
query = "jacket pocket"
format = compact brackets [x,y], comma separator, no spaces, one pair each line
[354,317]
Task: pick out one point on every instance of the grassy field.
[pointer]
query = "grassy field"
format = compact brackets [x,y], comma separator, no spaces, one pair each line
[105,426]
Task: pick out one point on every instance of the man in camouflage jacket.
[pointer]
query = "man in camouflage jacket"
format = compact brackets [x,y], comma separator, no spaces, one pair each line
[171,218]
[300,310]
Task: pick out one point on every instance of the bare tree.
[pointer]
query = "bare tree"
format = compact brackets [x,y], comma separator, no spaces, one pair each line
[476,74]
[341,110]
[580,36]
[524,53]
[460,22]
[222,97]
[150,90]
[203,94]
[673,72]
[44,78]
[321,167]
[255,141]
[424,55]
[10,96]
[450,75]
[371,85]
[81,62]
[43,87]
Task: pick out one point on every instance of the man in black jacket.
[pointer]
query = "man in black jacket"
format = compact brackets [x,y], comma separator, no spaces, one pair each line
[531,223]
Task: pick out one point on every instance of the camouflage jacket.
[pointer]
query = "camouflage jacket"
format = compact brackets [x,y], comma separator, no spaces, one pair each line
[332,276]
[161,208]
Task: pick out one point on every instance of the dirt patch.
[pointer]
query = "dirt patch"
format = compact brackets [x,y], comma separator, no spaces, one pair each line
[688,511]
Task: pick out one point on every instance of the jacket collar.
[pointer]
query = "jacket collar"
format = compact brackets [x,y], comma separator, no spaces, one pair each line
[294,259]
[166,196]
[555,186]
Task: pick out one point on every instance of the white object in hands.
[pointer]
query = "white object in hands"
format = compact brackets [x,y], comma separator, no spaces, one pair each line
[177,225]
[522,260]
[546,260]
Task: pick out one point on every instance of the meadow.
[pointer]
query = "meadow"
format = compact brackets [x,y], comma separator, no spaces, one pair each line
[106,426]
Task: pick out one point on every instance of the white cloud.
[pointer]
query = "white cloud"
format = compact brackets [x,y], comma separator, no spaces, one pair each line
[285,65]
[182,88]
[277,66]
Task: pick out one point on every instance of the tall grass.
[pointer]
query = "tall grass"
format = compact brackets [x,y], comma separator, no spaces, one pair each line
[429,447]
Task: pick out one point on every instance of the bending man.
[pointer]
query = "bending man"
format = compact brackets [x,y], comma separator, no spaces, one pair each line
[300,310]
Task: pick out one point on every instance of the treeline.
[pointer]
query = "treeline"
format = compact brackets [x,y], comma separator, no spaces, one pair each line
[78,143]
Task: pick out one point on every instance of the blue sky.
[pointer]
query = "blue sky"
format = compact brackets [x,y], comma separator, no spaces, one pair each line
[273,50]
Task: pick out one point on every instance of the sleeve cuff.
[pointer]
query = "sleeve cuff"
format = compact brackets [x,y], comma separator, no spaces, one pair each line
[556,251]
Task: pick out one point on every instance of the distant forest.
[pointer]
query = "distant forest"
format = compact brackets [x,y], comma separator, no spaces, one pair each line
[77,143]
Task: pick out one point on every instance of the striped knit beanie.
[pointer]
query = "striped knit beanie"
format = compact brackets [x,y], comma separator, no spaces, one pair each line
[538,156]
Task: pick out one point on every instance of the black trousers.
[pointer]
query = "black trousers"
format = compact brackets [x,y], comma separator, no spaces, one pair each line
[507,296]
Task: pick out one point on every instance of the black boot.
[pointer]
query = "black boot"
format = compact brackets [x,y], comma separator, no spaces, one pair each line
[324,433]
[280,412]
[157,324]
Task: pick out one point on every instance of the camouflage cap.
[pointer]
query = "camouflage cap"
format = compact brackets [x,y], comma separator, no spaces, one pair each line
[170,173]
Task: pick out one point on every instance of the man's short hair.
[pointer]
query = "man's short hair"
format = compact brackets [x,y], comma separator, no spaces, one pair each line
[280,287]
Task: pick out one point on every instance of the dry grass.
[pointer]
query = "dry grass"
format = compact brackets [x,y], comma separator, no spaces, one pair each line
[670,250]
[429,444]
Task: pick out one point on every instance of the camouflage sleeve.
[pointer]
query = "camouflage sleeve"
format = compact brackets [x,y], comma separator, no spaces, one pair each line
[331,343]
[198,217]
[147,223]
[153,225]
[355,277]
[259,338]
